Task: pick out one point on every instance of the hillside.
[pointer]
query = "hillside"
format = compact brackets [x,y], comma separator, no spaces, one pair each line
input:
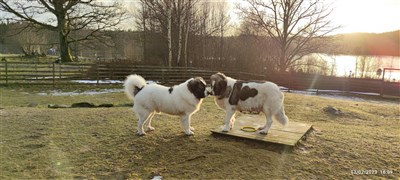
[387,43]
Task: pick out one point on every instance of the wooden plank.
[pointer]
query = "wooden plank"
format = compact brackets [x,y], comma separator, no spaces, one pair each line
[285,135]
[258,120]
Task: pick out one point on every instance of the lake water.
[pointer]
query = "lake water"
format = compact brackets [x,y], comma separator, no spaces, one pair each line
[344,65]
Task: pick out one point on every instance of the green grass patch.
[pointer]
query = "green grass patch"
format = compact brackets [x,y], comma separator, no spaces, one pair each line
[100,143]
[23,58]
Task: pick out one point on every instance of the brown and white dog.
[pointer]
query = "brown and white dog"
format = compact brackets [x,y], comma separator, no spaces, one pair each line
[234,95]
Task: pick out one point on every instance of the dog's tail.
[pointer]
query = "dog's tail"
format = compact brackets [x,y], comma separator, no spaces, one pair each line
[281,116]
[133,84]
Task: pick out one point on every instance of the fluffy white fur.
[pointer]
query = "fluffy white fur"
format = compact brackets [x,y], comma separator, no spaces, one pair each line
[269,100]
[155,98]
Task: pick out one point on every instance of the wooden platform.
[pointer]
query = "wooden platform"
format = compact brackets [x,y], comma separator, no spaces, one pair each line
[285,135]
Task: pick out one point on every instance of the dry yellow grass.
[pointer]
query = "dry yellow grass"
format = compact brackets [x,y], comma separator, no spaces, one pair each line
[37,142]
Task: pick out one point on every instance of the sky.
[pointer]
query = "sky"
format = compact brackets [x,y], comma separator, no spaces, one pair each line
[372,16]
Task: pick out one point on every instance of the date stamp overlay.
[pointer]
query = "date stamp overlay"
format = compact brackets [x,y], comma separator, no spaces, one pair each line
[372,172]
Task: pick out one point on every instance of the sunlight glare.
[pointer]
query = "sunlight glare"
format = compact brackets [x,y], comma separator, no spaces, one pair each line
[366,15]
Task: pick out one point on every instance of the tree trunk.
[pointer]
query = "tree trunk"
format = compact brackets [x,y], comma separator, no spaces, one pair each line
[282,62]
[144,30]
[180,32]
[186,43]
[221,48]
[187,23]
[179,44]
[169,36]
[65,52]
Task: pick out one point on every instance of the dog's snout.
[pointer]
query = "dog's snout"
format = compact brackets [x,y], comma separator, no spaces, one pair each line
[209,91]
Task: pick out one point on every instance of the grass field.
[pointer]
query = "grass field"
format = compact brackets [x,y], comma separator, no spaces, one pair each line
[100,143]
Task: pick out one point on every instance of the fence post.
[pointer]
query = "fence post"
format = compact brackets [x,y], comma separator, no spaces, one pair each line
[317,81]
[36,70]
[383,82]
[191,71]
[97,73]
[113,70]
[6,69]
[162,75]
[290,82]
[54,74]
[59,70]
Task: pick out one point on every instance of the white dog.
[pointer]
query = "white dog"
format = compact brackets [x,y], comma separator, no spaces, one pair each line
[233,95]
[182,100]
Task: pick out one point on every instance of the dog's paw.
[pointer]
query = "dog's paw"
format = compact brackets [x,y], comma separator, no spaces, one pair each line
[264,132]
[190,133]
[150,129]
[141,133]
[226,128]
[192,128]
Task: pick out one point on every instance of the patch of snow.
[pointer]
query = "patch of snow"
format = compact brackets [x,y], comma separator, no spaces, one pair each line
[49,77]
[157,178]
[109,81]
[100,81]
[365,93]
[152,82]
[88,92]
[75,93]
[336,94]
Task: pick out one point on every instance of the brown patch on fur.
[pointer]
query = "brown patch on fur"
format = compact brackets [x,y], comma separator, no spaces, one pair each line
[234,98]
[247,92]
[240,93]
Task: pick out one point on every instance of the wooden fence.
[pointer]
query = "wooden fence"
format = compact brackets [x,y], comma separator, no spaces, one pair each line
[55,74]
[315,82]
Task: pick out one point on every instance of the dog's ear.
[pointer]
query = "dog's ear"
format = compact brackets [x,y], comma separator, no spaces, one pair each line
[226,93]
[197,88]
[220,87]
[220,83]
[218,76]
[235,95]
[201,80]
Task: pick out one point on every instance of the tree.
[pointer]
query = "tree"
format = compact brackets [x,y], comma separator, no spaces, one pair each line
[66,16]
[183,24]
[366,65]
[294,25]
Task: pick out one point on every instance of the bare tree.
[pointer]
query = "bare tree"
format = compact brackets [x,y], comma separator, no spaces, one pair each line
[294,25]
[312,64]
[180,20]
[30,42]
[66,16]
[366,65]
